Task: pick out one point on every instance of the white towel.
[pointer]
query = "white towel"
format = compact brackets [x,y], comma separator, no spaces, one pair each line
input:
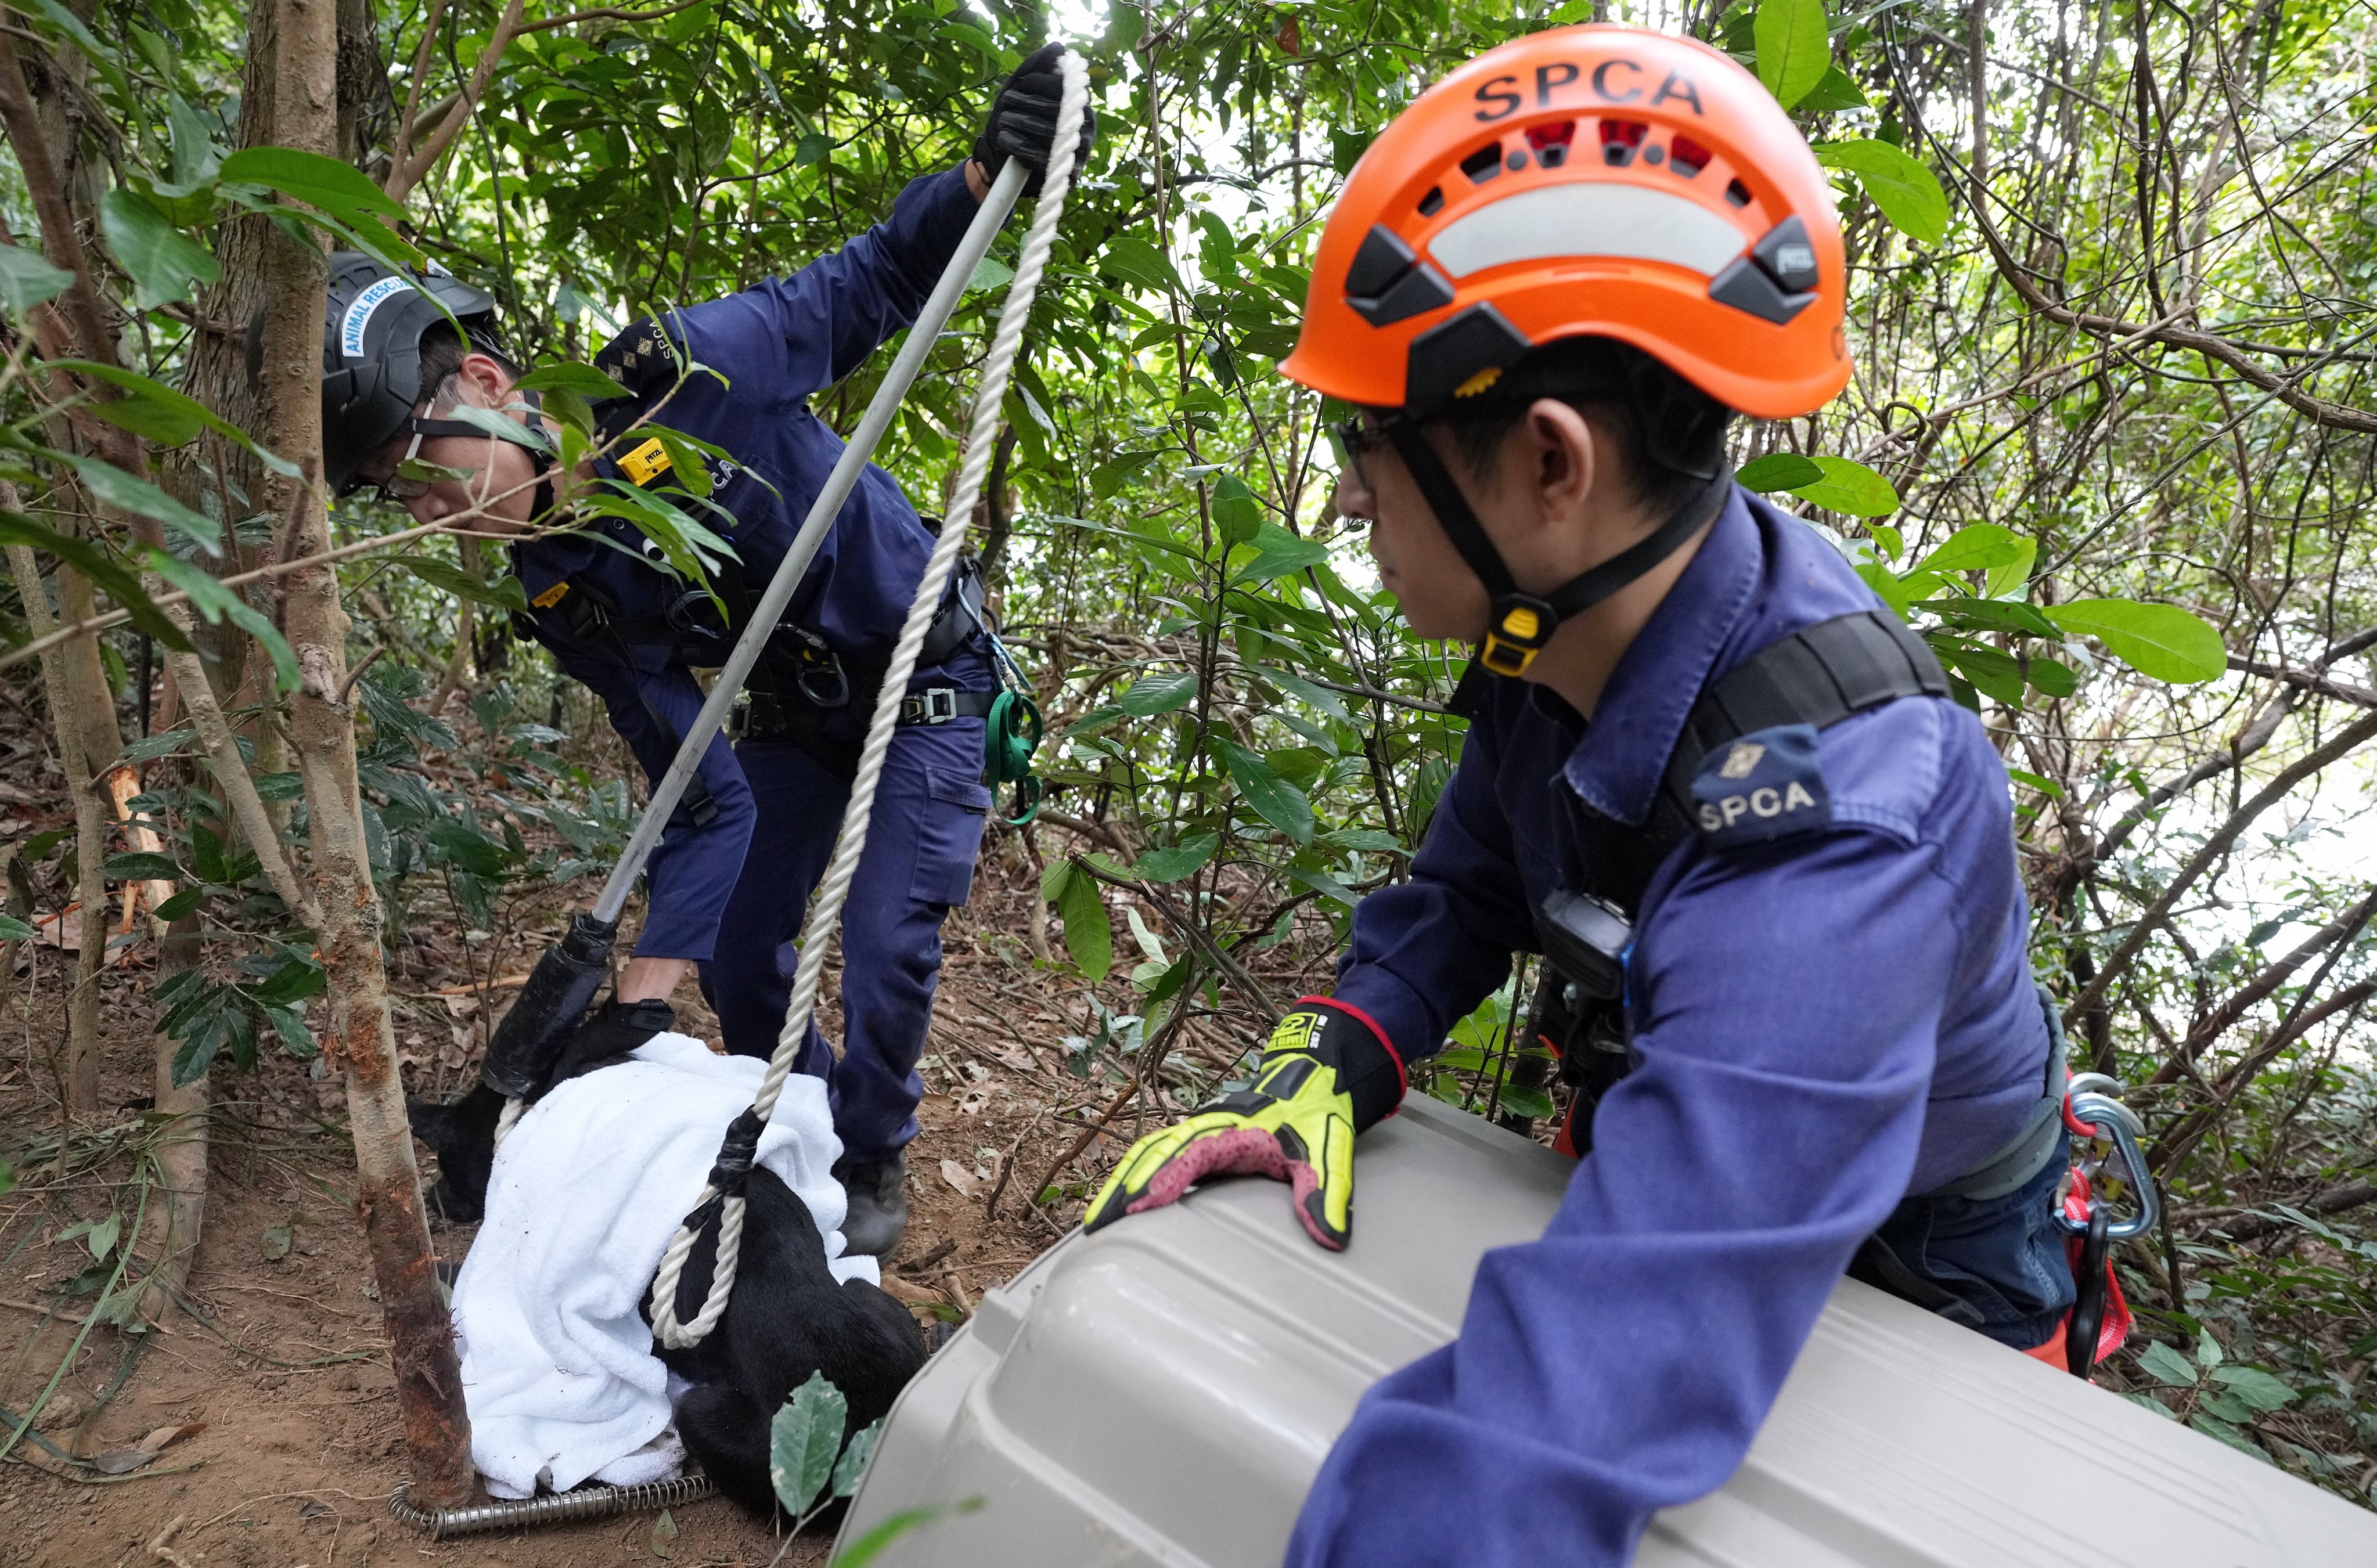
[557,1367]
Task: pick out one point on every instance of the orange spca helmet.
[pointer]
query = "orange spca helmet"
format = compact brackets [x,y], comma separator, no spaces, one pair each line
[1596,180]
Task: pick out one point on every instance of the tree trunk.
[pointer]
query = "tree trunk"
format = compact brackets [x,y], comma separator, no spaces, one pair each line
[65,683]
[181,1148]
[292,101]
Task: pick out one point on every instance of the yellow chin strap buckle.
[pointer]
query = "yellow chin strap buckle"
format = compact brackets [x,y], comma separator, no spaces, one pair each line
[1521,625]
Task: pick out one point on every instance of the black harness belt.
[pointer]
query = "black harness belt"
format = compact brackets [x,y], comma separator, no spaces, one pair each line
[1818,676]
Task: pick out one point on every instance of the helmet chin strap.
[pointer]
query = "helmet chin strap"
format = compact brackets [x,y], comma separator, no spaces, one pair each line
[1519,623]
[539,447]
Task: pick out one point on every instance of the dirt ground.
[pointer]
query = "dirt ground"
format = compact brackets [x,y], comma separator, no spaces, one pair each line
[281,1376]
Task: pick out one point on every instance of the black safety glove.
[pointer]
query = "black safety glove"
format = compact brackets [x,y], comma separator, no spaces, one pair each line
[1023,123]
[609,1033]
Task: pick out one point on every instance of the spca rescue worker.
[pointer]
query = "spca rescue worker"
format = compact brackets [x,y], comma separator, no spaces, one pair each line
[731,876]
[1770,860]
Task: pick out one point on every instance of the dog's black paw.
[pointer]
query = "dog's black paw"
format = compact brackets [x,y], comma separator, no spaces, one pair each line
[462,1134]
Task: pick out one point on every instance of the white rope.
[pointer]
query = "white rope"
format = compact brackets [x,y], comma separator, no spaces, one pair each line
[825,914]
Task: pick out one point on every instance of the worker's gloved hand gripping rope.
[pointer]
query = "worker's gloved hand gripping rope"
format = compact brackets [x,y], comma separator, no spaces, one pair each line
[1326,1074]
[735,1157]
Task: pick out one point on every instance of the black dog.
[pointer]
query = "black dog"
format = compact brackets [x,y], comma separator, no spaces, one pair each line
[788,1317]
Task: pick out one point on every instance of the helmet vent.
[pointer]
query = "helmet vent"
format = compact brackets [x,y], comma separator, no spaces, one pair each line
[1619,140]
[1686,157]
[1551,142]
[1738,194]
[1432,202]
[1483,164]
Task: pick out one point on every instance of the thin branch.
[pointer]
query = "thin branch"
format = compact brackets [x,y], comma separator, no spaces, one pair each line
[2343,741]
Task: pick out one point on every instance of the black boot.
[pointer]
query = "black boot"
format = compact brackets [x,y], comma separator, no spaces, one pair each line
[878,1203]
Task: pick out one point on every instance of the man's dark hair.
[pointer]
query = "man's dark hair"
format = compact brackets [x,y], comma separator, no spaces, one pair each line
[442,353]
[1669,434]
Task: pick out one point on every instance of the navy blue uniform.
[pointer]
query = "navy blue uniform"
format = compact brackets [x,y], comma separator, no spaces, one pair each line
[732,893]
[1830,1009]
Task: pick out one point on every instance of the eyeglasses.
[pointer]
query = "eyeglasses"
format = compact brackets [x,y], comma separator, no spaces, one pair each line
[401,487]
[1352,438]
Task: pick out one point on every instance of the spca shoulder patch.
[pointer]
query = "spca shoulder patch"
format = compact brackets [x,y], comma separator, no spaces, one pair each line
[1762,786]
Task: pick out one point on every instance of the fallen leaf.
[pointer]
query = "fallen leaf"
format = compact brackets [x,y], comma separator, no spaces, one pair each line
[664,1533]
[121,1461]
[278,1239]
[312,1510]
[971,1103]
[165,1437]
[958,1176]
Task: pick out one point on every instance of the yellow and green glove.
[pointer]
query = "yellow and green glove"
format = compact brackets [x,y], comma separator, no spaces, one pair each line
[1327,1074]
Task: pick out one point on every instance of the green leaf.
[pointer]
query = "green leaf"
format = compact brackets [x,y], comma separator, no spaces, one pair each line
[1135,261]
[852,1466]
[2166,1365]
[127,492]
[2053,677]
[1518,1099]
[166,416]
[2014,575]
[141,866]
[1280,552]
[1328,887]
[278,1239]
[802,1442]
[1994,673]
[1981,546]
[991,273]
[165,265]
[214,601]
[2213,1426]
[1158,694]
[1184,859]
[569,376]
[1838,90]
[1907,191]
[2159,641]
[505,593]
[1994,615]
[1849,486]
[290,1025]
[2039,782]
[1237,514]
[26,280]
[1089,932]
[1792,52]
[2256,1387]
[871,1545]
[467,847]
[1317,696]
[1779,470]
[1273,799]
[338,188]
[14,930]
[102,1236]
[196,1054]
[1107,478]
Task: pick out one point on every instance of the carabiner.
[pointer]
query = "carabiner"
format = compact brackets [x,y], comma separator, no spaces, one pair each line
[2095,1114]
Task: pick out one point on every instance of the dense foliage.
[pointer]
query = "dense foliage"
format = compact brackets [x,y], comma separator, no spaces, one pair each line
[2107,445]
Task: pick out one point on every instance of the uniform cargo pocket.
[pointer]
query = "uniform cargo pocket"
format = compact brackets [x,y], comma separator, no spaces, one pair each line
[949,836]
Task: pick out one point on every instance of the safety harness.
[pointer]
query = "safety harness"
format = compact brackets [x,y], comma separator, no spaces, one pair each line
[1819,675]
